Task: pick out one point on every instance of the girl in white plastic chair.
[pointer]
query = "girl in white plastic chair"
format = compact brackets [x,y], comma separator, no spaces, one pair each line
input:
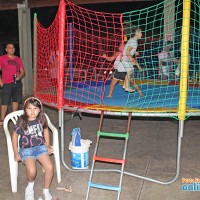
[34,145]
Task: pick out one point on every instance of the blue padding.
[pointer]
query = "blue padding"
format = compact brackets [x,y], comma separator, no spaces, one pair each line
[164,96]
[105,187]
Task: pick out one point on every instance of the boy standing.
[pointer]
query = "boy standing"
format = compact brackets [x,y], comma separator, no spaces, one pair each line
[12,73]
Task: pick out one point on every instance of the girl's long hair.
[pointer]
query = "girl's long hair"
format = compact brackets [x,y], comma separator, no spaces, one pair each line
[23,119]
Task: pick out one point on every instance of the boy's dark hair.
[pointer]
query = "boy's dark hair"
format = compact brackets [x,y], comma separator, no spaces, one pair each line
[127,26]
[134,29]
[8,44]
[129,29]
[23,119]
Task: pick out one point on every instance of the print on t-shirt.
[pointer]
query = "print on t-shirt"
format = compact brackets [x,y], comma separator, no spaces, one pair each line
[34,130]
[14,63]
[33,136]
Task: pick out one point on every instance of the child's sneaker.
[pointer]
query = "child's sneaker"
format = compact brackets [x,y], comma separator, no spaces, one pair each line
[29,194]
[47,195]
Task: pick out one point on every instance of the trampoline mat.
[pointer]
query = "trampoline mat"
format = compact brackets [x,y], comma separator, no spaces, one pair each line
[162,96]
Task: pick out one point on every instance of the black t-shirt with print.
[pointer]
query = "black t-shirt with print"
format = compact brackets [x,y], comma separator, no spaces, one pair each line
[33,136]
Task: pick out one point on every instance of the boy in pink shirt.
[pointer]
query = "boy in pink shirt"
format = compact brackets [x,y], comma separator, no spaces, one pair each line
[11,66]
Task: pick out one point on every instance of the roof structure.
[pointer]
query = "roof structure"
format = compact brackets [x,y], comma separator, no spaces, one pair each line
[12,4]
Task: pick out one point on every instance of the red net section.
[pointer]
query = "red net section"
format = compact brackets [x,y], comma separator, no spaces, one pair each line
[46,61]
[88,36]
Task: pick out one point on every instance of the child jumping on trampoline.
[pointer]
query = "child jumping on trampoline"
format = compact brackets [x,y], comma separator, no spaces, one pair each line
[124,67]
[34,145]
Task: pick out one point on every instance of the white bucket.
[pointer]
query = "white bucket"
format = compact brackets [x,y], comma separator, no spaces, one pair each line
[80,154]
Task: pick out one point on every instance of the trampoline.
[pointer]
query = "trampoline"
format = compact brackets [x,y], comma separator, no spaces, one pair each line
[82,36]
[162,98]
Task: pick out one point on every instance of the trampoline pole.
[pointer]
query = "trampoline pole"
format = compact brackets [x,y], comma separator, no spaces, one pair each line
[60,118]
[71,52]
[184,59]
[180,135]
[61,112]
[61,45]
[35,55]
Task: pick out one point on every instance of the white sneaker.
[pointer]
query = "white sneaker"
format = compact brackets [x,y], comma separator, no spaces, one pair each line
[29,194]
[47,197]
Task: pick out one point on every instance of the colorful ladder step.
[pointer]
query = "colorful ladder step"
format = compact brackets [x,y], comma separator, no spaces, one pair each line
[110,160]
[99,133]
[105,187]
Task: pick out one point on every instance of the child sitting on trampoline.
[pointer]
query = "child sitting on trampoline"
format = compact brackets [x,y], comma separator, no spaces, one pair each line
[34,145]
[124,67]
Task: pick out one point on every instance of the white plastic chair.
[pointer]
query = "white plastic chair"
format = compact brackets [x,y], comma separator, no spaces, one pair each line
[12,163]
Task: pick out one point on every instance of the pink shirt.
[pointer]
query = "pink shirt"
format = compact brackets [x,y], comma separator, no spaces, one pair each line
[10,67]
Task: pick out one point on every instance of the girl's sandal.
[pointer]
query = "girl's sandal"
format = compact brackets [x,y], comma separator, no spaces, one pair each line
[67,188]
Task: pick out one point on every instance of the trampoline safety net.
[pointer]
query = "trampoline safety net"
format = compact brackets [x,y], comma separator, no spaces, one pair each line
[75,59]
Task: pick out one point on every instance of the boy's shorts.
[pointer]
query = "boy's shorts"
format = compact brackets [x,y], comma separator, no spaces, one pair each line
[13,91]
[120,75]
[34,152]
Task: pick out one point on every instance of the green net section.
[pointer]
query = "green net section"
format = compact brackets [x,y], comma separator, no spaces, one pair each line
[159,55]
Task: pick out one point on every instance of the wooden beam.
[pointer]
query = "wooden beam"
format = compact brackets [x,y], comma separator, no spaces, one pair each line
[43,3]
[9,5]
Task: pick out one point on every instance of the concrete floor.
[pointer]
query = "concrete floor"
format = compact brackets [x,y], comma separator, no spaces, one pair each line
[151,152]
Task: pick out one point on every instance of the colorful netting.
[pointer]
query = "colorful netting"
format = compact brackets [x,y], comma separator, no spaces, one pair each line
[88,35]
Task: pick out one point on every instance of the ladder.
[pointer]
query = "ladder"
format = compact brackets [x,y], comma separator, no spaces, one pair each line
[109,160]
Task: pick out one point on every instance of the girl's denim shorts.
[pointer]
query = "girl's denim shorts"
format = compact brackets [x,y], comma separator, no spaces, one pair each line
[33,152]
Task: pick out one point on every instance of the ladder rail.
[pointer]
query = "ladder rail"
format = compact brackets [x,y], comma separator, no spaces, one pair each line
[92,168]
[124,154]
[95,151]
[110,160]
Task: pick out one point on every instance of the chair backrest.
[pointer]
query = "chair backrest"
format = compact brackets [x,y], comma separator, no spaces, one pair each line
[13,116]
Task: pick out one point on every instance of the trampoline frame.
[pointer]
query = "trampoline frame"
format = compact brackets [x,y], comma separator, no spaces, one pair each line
[178,154]
[182,103]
